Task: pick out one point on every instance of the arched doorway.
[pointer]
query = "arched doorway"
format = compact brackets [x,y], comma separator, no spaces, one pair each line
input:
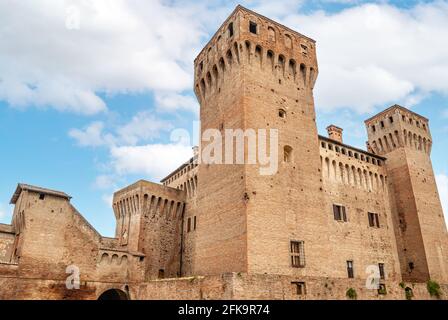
[113,294]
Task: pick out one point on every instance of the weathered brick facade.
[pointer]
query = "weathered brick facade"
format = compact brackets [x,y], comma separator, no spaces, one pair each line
[225,231]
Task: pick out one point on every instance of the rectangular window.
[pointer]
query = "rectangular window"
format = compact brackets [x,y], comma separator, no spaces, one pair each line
[340,213]
[350,271]
[381,268]
[374,220]
[391,120]
[253,27]
[194,223]
[382,124]
[373,128]
[41,196]
[299,288]
[189,225]
[297,254]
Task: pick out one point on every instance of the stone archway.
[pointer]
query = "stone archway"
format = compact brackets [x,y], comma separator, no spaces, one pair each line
[113,294]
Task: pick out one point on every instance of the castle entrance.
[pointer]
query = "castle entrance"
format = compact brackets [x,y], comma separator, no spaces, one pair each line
[113,294]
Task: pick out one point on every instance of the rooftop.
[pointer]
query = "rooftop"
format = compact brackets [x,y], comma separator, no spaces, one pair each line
[22,187]
[396,106]
[241,8]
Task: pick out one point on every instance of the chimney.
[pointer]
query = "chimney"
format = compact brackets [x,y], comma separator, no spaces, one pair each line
[335,133]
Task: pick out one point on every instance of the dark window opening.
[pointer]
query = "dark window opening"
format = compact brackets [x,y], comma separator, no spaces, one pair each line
[340,213]
[189,225]
[373,128]
[297,254]
[382,124]
[411,266]
[391,119]
[253,27]
[194,223]
[299,288]
[374,220]
[41,196]
[230,28]
[142,259]
[161,273]
[350,270]
[381,268]
[282,113]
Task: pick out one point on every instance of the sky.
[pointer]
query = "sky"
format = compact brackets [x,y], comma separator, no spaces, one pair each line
[92,90]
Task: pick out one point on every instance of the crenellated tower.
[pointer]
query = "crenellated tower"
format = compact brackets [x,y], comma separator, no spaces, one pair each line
[404,138]
[258,74]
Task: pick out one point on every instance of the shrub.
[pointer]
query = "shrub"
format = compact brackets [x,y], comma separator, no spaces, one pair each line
[408,293]
[351,294]
[433,289]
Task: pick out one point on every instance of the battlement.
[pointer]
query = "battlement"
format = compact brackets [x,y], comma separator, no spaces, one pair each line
[247,38]
[398,127]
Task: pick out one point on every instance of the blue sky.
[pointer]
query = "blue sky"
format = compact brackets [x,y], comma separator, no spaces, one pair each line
[90,91]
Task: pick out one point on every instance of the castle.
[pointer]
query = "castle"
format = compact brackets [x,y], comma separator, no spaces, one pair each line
[315,229]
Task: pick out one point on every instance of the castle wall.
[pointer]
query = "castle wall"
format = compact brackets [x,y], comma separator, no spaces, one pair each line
[358,181]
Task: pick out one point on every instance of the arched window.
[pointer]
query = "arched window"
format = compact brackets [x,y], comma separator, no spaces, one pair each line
[303,73]
[270,56]
[281,63]
[230,30]
[292,68]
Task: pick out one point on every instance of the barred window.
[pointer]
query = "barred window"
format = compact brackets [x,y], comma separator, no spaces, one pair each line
[340,213]
[297,254]
[374,220]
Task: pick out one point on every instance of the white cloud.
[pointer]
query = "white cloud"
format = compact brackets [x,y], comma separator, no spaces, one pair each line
[91,136]
[119,47]
[142,127]
[372,55]
[155,161]
[104,181]
[171,101]
[442,185]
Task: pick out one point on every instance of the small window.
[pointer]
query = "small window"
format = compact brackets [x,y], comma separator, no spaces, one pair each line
[381,268]
[374,220]
[338,149]
[230,29]
[41,196]
[304,49]
[350,270]
[339,213]
[403,117]
[287,154]
[382,124]
[299,288]
[373,128]
[194,223]
[161,273]
[356,156]
[324,145]
[189,225]
[282,113]
[253,27]
[391,119]
[330,147]
[141,259]
[297,254]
